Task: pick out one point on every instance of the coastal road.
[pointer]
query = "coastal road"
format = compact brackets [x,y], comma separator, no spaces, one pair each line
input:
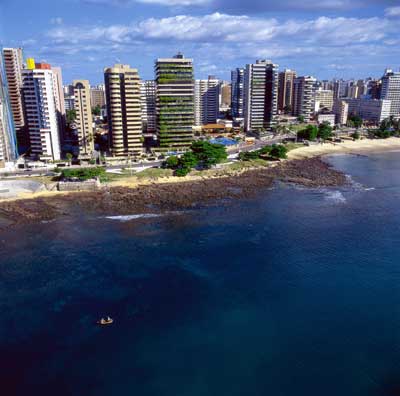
[136,166]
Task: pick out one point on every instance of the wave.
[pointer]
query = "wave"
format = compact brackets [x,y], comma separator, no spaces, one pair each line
[134,217]
[335,196]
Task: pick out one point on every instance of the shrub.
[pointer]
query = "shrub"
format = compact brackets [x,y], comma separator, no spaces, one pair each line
[83,173]
[278,151]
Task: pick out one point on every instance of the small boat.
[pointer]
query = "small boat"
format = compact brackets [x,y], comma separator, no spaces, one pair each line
[105,322]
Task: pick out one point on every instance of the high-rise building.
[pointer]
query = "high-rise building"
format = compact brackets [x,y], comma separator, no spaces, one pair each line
[206,101]
[98,96]
[13,64]
[69,102]
[341,111]
[391,90]
[374,89]
[304,97]
[59,98]
[149,100]
[373,110]
[352,92]
[8,142]
[39,92]
[84,119]
[285,90]
[225,96]
[175,102]
[124,111]
[68,90]
[339,89]
[260,96]
[362,88]
[323,99]
[237,81]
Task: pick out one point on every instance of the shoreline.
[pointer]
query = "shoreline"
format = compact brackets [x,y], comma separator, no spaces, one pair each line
[304,166]
[160,197]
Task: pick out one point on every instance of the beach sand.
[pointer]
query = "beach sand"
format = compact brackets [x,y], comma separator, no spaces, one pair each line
[346,147]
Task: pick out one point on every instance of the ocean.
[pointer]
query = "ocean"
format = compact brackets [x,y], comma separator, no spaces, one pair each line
[293,292]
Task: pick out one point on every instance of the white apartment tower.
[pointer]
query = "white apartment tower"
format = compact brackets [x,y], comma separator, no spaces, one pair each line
[323,99]
[304,97]
[148,93]
[123,110]
[84,119]
[206,101]
[39,92]
[260,96]
[13,65]
[391,90]
[341,111]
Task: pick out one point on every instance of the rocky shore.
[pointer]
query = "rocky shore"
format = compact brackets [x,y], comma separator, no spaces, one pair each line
[156,198]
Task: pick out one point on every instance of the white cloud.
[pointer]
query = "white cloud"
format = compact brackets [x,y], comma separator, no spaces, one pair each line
[392,12]
[219,27]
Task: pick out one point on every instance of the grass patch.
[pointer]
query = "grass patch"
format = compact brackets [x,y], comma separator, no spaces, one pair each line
[154,173]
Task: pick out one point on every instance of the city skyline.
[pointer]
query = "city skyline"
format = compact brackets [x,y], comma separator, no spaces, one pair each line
[325,39]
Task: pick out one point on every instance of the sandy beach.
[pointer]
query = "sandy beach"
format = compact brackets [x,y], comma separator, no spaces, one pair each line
[346,147]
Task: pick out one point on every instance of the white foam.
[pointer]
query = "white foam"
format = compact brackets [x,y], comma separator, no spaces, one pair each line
[335,196]
[133,217]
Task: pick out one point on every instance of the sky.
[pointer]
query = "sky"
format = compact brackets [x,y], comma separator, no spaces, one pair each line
[324,38]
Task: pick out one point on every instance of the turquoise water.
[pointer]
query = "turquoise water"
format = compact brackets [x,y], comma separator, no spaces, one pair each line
[294,292]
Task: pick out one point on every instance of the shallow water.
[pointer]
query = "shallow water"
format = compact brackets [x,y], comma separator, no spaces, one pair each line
[295,292]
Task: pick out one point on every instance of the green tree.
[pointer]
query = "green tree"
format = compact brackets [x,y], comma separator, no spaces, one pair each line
[71,116]
[356,135]
[182,172]
[278,151]
[309,133]
[96,110]
[188,160]
[171,162]
[355,121]
[301,118]
[325,131]
[208,154]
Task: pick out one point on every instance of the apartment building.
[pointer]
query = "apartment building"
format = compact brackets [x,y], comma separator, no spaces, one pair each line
[41,112]
[260,96]
[304,97]
[391,90]
[122,85]
[206,101]
[84,119]
[323,99]
[175,102]
[285,90]
[13,65]
[237,92]
[148,91]
[372,110]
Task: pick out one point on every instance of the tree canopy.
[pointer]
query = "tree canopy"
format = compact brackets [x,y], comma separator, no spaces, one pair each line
[309,133]
[325,131]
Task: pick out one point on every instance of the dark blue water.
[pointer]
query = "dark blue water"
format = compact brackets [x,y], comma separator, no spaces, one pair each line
[295,292]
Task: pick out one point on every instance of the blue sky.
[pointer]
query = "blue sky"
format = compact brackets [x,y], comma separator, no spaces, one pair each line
[332,38]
